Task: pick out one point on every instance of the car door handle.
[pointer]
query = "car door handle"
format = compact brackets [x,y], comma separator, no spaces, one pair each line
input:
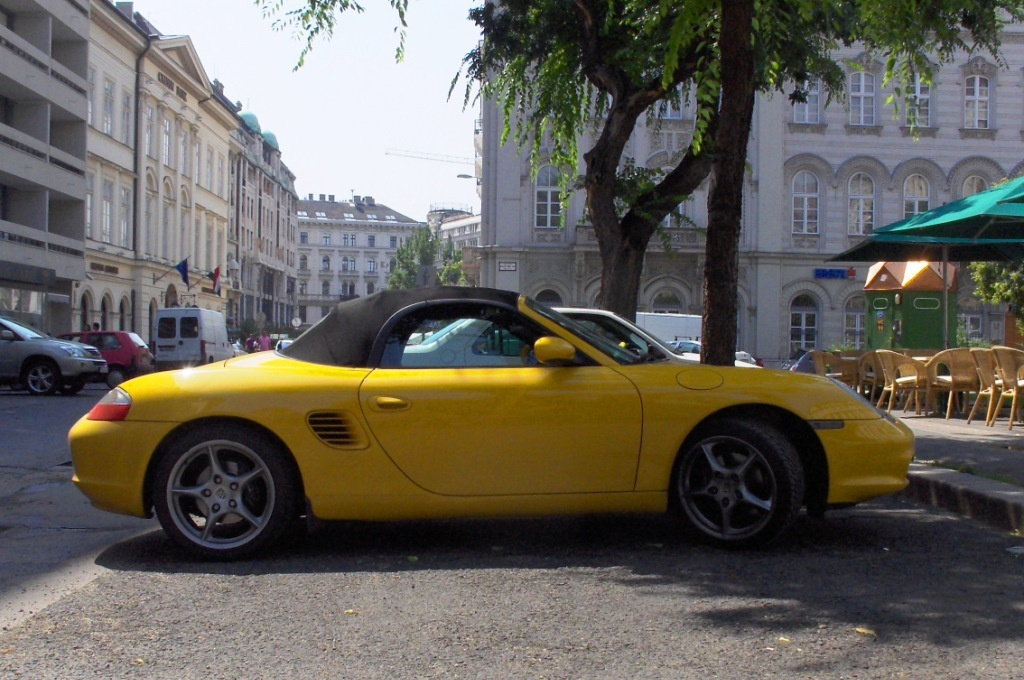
[389,404]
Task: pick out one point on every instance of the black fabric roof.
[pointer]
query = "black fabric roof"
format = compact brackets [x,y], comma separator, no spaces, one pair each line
[345,337]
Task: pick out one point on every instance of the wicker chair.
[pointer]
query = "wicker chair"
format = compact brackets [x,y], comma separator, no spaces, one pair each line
[869,375]
[954,372]
[903,376]
[984,362]
[1009,361]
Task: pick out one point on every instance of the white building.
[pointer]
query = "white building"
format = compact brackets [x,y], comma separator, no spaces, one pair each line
[43,91]
[346,249]
[821,178]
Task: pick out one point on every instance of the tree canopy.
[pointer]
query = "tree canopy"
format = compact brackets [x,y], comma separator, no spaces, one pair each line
[563,69]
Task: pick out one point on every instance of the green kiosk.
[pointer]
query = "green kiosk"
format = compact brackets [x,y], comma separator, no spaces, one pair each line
[906,303]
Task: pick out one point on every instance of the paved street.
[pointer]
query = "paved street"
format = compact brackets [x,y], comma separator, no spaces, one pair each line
[890,589]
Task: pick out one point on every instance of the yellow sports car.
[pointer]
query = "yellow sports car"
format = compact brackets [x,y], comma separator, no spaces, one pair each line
[471,402]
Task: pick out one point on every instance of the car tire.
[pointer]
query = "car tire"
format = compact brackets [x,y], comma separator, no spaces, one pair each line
[241,479]
[739,483]
[116,376]
[73,386]
[41,377]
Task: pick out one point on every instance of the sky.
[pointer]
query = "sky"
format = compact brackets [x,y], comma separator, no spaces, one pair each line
[339,115]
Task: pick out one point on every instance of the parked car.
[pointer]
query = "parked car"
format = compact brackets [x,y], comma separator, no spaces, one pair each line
[283,343]
[800,361]
[126,353]
[190,336]
[685,346]
[32,360]
[459,402]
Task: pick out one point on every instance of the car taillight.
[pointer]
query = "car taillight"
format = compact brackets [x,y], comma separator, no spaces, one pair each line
[112,407]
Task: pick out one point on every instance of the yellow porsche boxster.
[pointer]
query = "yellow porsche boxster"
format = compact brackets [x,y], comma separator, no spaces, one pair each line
[471,402]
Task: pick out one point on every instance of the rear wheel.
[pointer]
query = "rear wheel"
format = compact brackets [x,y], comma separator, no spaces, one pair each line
[116,376]
[42,376]
[223,492]
[739,483]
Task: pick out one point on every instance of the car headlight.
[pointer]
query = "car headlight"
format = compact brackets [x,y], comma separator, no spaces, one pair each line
[73,351]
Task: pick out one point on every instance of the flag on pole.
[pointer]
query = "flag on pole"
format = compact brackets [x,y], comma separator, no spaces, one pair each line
[182,268]
[216,281]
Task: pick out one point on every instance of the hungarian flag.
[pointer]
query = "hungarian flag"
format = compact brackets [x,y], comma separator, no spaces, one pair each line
[216,281]
[182,268]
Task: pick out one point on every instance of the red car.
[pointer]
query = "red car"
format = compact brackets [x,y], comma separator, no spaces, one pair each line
[126,353]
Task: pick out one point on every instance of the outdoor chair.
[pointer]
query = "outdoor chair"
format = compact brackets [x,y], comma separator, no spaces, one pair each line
[954,372]
[1009,362]
[869,375]
[984,362]
[903,376]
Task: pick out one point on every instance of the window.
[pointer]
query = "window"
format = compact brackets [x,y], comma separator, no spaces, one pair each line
[369,288]
[303,262]
[970,323]
[371,265]
[325,263]
[805,203]
[183,147]
[807,112]
[126,117]
[682,108]
[90,115]
[150,117]
[107,211]
[974,185]
[853,324]
[976,99]
[861,212]
[862,98]
[302,213]
[371,241]
[915,195]
[108,107]
[88,206]
[220,175]
[166,139]
[460,335]
[803,323]
[547,206]
[393,242]
[325,238]
[303,238]
[919,106]
[302,287]
[325,288]
[345,241]
[346,265]
[124,237]
[209,168]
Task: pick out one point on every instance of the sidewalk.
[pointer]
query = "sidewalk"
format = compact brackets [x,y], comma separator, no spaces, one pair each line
[973,470]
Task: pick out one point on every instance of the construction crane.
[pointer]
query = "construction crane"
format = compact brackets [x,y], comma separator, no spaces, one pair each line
[440,158]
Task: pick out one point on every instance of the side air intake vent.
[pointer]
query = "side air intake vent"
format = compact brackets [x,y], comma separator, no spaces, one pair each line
[337,429]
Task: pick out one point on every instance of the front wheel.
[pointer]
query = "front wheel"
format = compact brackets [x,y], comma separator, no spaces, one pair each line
[223,492]
[41,377]
[73,386]
[739,483]
[116,376]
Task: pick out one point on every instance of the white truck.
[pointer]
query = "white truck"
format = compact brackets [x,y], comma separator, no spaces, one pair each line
[669,327]
[189,336]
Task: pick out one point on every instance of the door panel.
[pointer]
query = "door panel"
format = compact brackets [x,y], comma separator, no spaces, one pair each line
[499,430]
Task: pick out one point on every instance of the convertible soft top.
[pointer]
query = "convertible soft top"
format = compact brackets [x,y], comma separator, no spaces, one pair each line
[346,335]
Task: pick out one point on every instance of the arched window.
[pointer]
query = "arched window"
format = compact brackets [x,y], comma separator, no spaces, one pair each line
[803,323]
[666,303]
[303,262]
[325,288]
[861,206]
[549,297]
[974,185]
[976,99]
[853,322]
[325,263]
[805,203]
[345,264]
[547,208]
[916,194]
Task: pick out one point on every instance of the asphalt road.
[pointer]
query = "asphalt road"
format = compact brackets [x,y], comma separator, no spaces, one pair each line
[890,589]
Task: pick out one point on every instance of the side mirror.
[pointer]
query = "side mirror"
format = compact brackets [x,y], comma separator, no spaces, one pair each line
[552,350]
[6,335]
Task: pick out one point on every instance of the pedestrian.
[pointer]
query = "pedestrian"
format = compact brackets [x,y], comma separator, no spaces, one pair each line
[250,344]
[95,325]
[264,341]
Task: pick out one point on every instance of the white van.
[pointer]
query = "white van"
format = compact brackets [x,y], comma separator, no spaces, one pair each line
[189,336]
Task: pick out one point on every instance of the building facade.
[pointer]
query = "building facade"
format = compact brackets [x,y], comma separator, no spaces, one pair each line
[346,249]
[43,111]
[821,178]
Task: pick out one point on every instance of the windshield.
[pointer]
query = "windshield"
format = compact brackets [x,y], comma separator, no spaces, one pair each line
[617,352]
[26,332]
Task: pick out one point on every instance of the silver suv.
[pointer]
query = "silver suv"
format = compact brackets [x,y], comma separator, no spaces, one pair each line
[32,360]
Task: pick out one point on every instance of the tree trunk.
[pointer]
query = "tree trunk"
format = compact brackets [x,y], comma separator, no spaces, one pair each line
[725,202]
